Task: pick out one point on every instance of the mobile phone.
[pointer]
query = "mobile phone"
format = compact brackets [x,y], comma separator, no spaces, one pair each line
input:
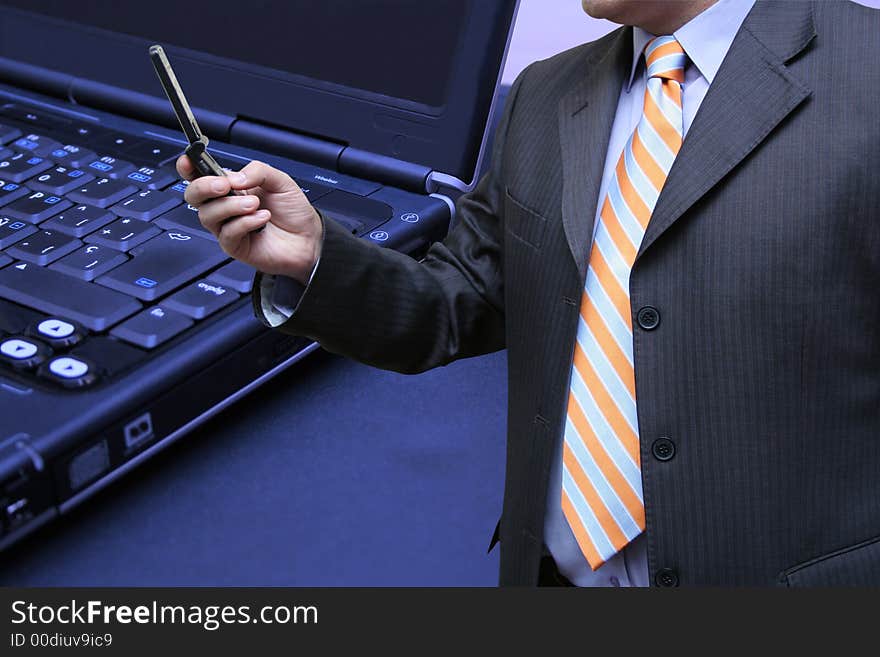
[197,150]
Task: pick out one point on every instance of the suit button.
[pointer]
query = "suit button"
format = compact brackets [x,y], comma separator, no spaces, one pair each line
[663,449]
[648,318]
[666,577]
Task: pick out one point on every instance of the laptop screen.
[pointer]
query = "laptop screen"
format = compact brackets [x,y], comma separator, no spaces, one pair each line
[408,79]
[380,46]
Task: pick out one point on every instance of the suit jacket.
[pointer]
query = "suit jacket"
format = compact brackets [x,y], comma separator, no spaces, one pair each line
[762,259]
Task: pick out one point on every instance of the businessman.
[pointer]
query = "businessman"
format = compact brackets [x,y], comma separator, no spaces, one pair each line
[678,243]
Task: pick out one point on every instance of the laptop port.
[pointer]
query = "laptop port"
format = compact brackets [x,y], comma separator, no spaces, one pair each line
[138,431]
[89,465]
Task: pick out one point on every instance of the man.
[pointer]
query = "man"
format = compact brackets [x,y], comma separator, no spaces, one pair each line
[678,243]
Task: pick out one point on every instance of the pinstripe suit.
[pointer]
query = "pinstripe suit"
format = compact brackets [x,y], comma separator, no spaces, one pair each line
[762,257]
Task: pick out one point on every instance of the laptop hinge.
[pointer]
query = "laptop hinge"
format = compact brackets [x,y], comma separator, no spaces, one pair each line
[35,78]
[143,107]
[106,97]
[331,155]
[287,143]
[384,169]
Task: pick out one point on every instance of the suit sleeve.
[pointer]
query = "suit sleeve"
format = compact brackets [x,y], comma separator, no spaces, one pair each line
[385,309]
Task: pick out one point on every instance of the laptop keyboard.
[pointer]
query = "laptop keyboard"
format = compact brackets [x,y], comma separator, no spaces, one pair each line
[101,260]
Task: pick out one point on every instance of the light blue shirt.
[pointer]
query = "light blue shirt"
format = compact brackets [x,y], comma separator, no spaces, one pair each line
[705,39]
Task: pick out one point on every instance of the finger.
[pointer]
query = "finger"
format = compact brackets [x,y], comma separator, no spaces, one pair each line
[213,213]
[260,174]
[185,168]
[233,234]
[206,188]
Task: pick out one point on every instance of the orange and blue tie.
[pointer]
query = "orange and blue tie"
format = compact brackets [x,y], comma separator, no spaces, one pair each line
[601,475]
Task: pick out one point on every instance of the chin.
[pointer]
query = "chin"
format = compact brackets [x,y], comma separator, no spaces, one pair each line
[608,9]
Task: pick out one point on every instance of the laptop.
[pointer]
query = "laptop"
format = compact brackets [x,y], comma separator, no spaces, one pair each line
[122,323]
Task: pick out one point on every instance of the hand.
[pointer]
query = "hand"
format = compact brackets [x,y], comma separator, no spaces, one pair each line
[290,241]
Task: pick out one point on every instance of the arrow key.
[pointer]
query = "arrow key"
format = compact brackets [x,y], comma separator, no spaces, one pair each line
[89,262]
[70,372]
[22,353]
[56,332]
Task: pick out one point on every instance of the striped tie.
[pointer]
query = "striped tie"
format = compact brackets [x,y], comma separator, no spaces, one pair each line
[601,478]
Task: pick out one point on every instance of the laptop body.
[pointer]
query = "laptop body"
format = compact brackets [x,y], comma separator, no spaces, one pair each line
[122,324]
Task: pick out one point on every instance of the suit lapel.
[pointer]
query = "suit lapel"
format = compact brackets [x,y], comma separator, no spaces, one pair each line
[586,114]
[751,94]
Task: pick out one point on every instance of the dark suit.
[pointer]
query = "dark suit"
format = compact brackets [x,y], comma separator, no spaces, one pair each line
[762,257]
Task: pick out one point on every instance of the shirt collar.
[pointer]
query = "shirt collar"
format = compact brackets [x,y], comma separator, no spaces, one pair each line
[706,38]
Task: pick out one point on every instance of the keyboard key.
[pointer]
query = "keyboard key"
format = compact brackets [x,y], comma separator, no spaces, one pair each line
[35,145]
[124,234]
[237,275]
[102,192]
[43,247]
[69,371]
[18,349]
[55,329]
[146,205]
[21,166]
[152,327]
[80,220]
[198,300]
[184,218]
[60,180]
[110,167]
[37,207]
[164,263]
[4,260]
[153,178]
[9,191]
[13,230]
[23,353]
[56,332]
[179,187]
[8,133]
[152,152]
[54,293]
[72,155]
[89,262]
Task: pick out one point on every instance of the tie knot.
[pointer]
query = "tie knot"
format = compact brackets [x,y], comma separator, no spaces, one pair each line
[665,58]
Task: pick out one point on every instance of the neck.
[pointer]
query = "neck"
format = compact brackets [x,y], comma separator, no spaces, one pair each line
[665,21]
